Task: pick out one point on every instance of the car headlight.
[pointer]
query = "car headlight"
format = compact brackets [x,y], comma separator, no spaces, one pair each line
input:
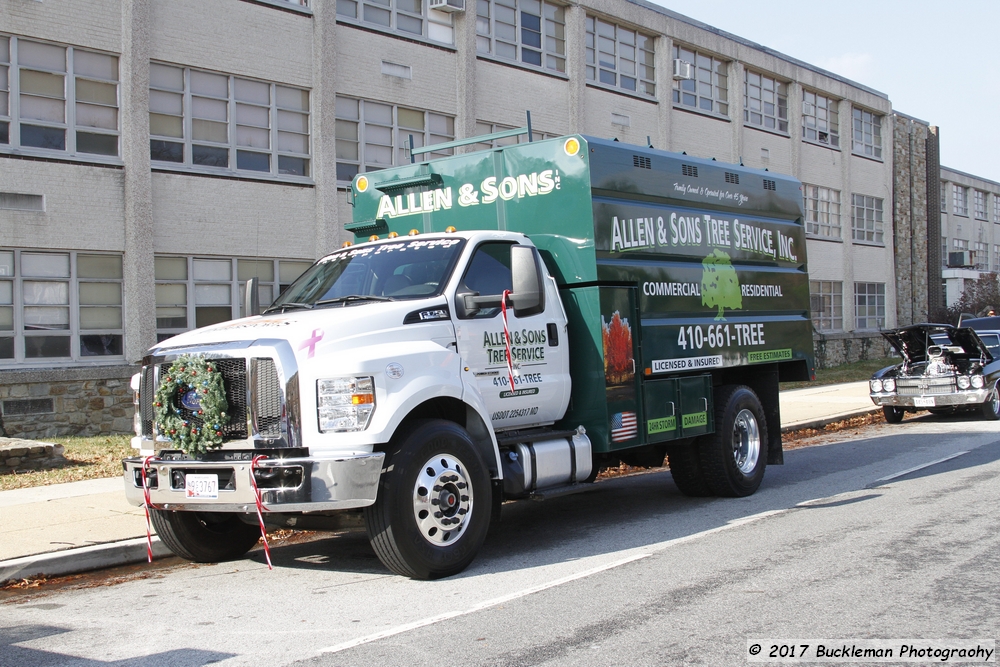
[888,384]
[977,382]
[964,382]
[876,386]
[345,404]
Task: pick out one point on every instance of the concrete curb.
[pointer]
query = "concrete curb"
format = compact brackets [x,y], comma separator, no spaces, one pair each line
[820,423]
[83,559]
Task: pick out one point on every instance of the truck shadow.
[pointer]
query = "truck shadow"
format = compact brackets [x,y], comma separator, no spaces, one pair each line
[24,656]
[636,511]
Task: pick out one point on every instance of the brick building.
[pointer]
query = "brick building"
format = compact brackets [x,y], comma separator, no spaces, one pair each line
[157,153]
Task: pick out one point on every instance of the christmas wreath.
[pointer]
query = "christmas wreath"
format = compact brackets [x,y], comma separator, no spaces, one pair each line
[191,405]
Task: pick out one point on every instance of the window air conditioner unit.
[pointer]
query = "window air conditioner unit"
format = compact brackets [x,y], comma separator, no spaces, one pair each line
[959,259]
[449,6]
[682,69]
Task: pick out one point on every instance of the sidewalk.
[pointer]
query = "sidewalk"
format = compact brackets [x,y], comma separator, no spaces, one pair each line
[82,526]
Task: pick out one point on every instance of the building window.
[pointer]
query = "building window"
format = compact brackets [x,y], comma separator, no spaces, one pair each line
[820,121]
[826,300]
[981,256]
[482,127]
[373,135]
[619,57]
[867,133]
[866,218]
[60,306]
[216,122]
[822,210]
[944,197]
[196,292]
[996,257]
[58,100]
[525,31]
[869,306]
[944,252]
[412,18]
[979,204]
[765,102]
[709,89]
[959,200]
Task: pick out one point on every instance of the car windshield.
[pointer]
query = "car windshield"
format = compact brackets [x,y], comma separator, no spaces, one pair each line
[992,343]
[406,269]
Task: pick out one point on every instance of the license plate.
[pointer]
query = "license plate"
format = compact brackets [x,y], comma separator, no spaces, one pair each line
[201,486]
[922,402]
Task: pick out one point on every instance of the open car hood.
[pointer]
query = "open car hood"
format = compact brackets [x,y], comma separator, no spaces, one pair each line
[912,341]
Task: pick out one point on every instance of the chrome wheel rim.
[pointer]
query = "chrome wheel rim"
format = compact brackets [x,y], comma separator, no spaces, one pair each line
[442,500]
[746,441]
[995,401]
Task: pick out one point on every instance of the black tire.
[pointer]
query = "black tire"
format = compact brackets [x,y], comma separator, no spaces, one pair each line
[990,409]
[734,457]
[685,469]
[411,533]
[893,415]
[204,537]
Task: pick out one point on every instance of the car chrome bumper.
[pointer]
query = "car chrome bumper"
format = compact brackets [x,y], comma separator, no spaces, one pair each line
[335,483]
[954,399]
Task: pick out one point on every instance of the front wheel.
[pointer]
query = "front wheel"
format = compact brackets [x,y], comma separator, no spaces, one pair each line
[733,458]
[893,415]
[991,407]
[204,537]
[432,510]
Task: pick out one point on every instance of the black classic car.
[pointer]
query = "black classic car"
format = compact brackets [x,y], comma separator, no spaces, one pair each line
[945,369]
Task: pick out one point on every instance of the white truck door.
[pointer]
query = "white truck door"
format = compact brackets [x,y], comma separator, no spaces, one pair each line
[541,366]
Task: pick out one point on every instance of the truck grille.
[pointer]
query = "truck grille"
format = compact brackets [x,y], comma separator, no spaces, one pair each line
[925,386]
[267,397]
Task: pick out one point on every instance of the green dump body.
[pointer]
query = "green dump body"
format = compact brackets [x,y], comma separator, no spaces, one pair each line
[677,273]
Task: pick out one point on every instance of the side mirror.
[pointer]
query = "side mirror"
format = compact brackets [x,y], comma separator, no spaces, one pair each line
[251,300]
[528,281]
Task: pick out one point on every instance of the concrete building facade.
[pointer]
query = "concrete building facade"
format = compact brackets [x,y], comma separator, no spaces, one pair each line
[157,153]
[970,231]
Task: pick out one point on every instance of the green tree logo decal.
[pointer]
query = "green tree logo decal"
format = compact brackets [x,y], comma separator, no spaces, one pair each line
[720,287]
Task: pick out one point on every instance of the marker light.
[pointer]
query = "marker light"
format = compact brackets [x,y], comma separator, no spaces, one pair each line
[572,146]
[450,230]
[362,183]
[373,237]
[392,235]
[346,244]
[414,232]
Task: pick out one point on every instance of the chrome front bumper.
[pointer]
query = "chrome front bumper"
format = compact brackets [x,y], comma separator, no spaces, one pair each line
[316,484]
[954,399]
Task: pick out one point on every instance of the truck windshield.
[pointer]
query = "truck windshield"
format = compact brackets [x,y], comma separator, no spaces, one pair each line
[407,269]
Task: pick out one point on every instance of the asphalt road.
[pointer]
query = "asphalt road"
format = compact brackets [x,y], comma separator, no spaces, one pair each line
[837,544]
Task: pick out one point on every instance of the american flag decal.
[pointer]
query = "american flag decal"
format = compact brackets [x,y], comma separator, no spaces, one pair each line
[624,426]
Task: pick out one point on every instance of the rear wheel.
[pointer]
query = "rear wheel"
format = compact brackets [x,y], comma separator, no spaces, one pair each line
[204,537]
[893,415]
[433,507]
[685,468]
[734,457]
[991,408]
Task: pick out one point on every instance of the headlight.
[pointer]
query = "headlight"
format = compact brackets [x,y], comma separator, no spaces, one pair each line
[888,384]
[345,404]
[977,382]
[876,386]
[137,416]
[963,382]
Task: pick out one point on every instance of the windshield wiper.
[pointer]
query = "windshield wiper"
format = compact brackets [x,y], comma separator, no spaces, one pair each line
[350,298]
[293,305]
